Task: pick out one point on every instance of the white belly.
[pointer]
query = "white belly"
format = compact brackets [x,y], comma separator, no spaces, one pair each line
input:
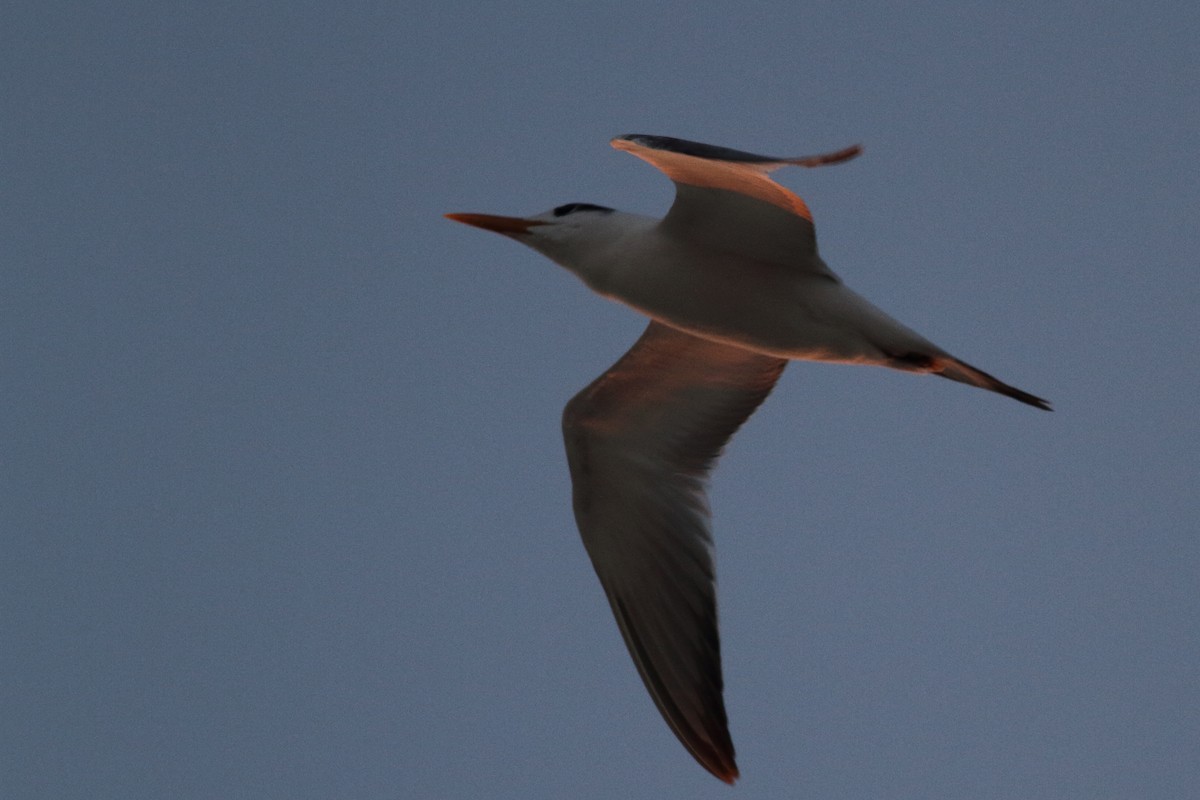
[791,313]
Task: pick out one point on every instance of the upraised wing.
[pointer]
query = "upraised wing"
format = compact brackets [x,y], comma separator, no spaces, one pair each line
[726,199]
[641,441]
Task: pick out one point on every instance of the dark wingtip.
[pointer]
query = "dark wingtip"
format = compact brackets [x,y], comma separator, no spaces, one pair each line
[714,152]
[836,157]
[687,147]
[720,763]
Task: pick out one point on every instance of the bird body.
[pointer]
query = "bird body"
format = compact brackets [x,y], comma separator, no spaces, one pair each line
[732,298]
[734,286]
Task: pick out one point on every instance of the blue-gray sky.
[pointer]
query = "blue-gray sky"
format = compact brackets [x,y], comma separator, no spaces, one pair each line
[284,504]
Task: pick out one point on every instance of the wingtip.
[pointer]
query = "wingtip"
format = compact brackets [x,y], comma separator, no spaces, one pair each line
[718,761]
[824,159]
[631,142]
[625,141]
[720,765]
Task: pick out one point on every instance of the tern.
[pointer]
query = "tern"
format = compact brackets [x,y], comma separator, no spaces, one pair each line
[734,288]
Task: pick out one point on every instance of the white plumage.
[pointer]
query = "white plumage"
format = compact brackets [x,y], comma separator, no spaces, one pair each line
[734,286]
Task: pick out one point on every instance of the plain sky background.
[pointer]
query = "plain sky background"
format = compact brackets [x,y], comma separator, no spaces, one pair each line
[285,511]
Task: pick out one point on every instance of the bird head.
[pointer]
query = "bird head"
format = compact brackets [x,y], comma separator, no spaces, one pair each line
[566,226]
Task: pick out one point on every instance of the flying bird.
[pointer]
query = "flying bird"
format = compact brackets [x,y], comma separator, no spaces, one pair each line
[734,287]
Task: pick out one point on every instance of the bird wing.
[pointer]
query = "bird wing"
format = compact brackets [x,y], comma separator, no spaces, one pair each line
[725,198]
[641,441]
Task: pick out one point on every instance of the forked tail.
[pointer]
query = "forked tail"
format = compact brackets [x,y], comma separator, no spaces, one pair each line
[962,372]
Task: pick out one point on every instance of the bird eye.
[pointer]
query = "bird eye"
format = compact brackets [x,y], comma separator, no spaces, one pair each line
[571,208]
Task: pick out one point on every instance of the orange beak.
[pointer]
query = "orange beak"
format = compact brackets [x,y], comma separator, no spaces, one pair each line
[506,225]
